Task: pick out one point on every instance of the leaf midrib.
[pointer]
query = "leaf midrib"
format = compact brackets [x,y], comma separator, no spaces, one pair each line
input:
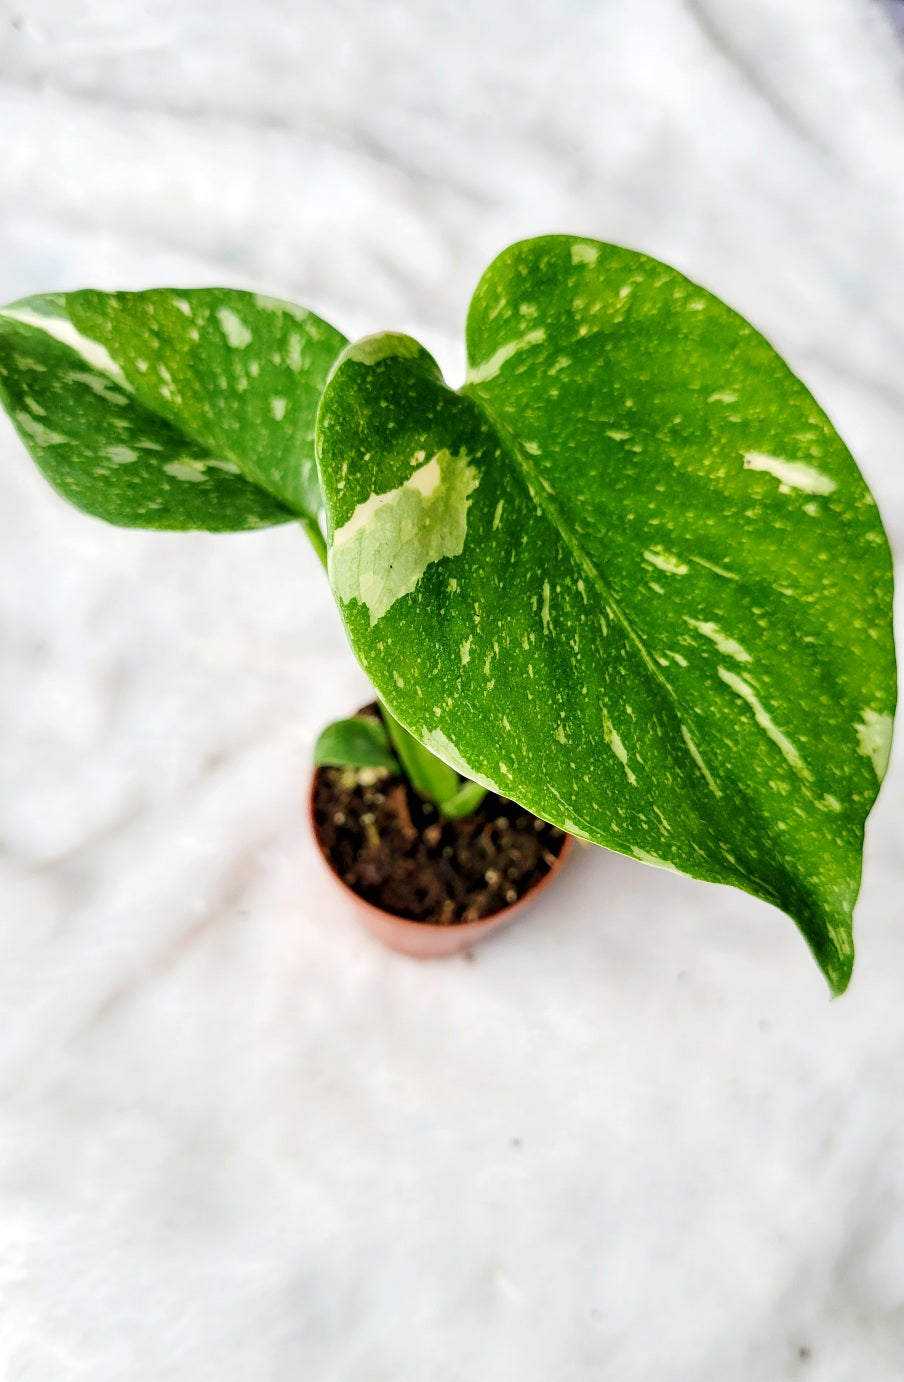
[542,498]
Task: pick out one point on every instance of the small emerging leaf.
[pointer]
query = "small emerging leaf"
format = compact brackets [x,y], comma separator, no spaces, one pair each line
[171,408]
[359,742]
[629,576]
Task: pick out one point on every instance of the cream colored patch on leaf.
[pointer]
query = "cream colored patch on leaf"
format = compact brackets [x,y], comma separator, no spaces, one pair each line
[39,434]
[695,755]
[645,857]
[874,739]
[427,477]
[723,642]
[584,253]
[383,550]
[544,612]
[664,561]
[294,352]
[191,471]
[234,329]
[290,309]
[717,570]
[790,474]
[613,739]
[765,721]
[385,345]
[122,455]
[63,330]
[102,386]
[478,374]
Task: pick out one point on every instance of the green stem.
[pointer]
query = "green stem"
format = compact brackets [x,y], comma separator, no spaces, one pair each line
[465,802]
[318,541]
[427,774]
[453,796]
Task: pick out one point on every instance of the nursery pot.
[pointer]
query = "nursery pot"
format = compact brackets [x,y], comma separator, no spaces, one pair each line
[434,937]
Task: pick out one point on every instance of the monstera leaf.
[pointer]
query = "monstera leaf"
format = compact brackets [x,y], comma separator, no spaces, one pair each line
[170,409]
[628,575]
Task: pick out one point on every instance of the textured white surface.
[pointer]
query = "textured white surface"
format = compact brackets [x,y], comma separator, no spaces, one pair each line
[633,1138]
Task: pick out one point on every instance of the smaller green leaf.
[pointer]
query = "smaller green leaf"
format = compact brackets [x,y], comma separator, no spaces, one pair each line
[359,742]
[170,408]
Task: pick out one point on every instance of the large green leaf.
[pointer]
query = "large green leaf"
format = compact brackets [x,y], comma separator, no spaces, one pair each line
[170,408]
[629,576]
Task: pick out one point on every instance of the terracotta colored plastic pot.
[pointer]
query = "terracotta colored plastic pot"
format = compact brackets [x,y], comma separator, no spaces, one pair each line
[426,940]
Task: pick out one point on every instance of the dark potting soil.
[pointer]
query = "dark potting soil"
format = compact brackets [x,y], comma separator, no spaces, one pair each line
[395,850]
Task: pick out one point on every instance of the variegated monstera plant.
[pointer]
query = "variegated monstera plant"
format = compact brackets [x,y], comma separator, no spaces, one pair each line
[628,574]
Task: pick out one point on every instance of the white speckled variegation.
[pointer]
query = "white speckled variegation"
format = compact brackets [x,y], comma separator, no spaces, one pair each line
[661,601]
[208,396]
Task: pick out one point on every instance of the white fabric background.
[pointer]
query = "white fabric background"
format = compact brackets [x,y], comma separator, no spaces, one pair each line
[633,1138]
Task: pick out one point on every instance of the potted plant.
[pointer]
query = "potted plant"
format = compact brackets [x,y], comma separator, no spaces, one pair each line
[627,576]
